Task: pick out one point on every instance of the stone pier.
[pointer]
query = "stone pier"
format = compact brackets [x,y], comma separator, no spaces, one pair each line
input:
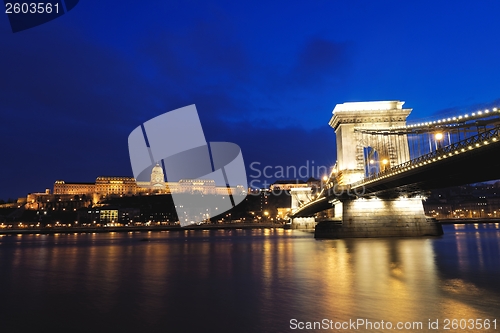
[299,196]
[376,217]
[303,223]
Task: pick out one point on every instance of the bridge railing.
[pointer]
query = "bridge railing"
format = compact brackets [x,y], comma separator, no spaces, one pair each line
[455,148]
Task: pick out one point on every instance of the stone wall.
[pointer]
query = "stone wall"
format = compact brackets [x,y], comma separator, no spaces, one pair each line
[303,223]
[376,217]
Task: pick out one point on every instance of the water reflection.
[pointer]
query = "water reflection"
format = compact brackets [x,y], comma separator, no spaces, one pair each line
[244,280]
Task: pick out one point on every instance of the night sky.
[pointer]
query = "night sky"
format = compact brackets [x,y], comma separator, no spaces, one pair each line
[264,75]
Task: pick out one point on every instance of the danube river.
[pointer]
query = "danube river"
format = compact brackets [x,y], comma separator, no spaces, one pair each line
[269,280]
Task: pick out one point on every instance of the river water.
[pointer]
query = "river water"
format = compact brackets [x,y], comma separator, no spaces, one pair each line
[250,281]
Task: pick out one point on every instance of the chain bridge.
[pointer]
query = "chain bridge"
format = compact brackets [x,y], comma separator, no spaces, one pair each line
[386,166]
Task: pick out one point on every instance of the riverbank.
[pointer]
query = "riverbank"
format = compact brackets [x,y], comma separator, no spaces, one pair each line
[469,221]
[58,230]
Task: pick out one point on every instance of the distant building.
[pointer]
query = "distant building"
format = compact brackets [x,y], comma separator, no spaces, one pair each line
[283,213]
[314,184]
[111,216]
[287,184]
[74,195]
[60,187]
[467,201]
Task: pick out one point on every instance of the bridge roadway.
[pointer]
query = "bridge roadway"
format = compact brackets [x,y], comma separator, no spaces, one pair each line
[473,160]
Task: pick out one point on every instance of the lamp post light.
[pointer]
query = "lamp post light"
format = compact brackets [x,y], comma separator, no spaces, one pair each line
[385,162]
[324,180]
[438,136]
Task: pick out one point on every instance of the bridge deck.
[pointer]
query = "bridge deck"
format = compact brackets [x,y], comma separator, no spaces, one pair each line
[473,160]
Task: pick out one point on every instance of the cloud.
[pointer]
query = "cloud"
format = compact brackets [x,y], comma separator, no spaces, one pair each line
[458,110]
[322,61]
[210,65]
[68,79]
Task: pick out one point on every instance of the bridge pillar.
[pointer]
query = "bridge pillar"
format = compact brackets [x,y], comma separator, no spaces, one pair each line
[300,196]
[351,145]
[303,223]
[376,217]
[338,209]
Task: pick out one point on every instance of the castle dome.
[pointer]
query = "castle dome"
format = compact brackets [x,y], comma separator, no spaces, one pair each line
[157,168]
[157,177]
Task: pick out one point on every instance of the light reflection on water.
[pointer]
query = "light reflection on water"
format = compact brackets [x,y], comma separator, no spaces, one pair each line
[243,280]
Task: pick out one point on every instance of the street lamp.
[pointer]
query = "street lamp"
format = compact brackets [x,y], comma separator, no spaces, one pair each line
[438,136]
[323,183]
[384,163]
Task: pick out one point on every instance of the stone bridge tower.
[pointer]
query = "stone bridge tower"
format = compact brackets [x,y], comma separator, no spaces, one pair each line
[351,144]
[373,216]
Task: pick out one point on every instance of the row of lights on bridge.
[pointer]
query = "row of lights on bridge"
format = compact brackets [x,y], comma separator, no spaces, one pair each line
[439,136]
[477,114]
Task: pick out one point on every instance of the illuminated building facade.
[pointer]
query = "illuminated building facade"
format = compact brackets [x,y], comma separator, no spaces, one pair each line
[72,196]
[60,187]
[285,185]
[105,186]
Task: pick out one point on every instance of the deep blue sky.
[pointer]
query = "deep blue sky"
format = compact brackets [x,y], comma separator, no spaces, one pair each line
[264,75]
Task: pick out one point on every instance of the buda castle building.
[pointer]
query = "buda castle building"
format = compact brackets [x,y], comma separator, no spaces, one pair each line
[93,193]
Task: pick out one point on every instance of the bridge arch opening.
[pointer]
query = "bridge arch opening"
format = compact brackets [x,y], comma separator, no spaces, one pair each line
[371,161]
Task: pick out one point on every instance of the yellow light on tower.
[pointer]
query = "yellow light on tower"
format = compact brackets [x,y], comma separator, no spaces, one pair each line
[385,161]
[325,178]
[438,136]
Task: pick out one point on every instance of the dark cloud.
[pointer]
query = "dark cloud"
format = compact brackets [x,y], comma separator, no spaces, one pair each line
[209,65]
[322,61]
[459,110]
[203,63]
[69,79]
